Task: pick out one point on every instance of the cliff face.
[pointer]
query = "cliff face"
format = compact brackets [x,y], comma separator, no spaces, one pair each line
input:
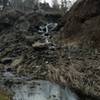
[81,36]
[83,20]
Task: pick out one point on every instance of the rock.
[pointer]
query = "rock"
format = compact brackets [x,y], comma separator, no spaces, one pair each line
[42,90]
[1,67]
[29,38]
[4,95]
[6,60]
[22,24]
[8,19]
[8,75]
[18,70]
[83,20]
[39,45]
[17,61]
[9,69]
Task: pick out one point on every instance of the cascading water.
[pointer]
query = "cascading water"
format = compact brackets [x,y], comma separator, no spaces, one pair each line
[46,29]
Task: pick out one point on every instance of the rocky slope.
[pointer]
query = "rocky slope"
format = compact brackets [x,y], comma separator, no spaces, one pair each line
[81,38]
[73,59]
[22,47]
[83,19]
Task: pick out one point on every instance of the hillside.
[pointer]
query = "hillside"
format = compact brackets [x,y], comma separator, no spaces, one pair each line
[80,36]
[43,45]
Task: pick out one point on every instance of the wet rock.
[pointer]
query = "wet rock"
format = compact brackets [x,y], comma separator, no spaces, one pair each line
[8,75]
[30,38]
[22,24]
[42,90]
[9,69]
[8,83]
[6,60]
[8,19]
[48,28]
[1,67]
[39,45]
[17,61]
[19,69]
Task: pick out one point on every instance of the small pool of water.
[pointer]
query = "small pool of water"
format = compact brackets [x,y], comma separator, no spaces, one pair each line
[41,90]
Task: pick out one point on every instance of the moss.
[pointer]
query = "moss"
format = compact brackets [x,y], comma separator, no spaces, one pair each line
[4,96]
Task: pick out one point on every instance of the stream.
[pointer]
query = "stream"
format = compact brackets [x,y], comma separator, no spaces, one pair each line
[26,89]
[41,90]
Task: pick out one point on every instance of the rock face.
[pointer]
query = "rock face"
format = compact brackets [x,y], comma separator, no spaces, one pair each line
[4,96]
[19,21]
[83,20]
[38,45]
[42,90]
[81,34]
[22,48]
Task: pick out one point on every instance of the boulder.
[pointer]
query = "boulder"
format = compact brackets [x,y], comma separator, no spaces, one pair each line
[39,45]
[6,60]
[17,61]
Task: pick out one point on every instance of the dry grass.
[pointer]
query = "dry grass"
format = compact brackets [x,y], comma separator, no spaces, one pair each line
[81,71]
[4,96]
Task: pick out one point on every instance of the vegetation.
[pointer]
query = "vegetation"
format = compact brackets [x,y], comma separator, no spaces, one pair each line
[4,96]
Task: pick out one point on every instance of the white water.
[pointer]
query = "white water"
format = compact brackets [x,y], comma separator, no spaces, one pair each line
[42,90]
[48,27]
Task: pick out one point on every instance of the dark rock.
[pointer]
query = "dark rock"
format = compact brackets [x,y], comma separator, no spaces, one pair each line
[83,20]
[82,29]
[6,60]
[9,69]
[39,45]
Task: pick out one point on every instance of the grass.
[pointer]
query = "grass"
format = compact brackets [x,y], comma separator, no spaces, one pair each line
[4,96]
